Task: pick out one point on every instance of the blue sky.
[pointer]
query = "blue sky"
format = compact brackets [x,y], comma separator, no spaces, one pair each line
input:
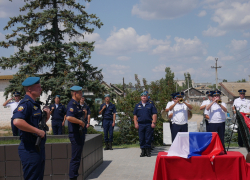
[145,36]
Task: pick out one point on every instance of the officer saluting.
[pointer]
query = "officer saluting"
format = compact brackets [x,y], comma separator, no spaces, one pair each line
[241,105]
[145,117]
[108,112]
[26,117]
[58,113]
[77,138]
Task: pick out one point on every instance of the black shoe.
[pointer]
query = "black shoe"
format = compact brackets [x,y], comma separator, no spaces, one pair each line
[73,178]
[148,153]
[106,146]
[110,146]
[152,146]
[142,152]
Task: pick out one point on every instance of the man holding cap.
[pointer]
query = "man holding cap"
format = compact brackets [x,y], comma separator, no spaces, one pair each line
[77,138]
[203,106]
[26,117]
[216,111]
[13,106]
[145,117]
[180,115]
[58,113]
[108,112]
[241,105]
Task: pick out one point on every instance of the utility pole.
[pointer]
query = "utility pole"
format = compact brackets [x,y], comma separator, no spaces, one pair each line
[216,73]
[123,87]
[176,84]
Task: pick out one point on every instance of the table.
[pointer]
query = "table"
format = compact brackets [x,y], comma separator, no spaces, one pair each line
[231,166]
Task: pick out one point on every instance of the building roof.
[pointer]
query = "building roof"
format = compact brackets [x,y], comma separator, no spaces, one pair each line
[115,88]
[6,77]
[186,91]
[233,87]
[203,87]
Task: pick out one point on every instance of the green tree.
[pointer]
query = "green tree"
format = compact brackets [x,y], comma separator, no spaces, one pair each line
[224,80]
[242,80]
[188,80]
[61,52]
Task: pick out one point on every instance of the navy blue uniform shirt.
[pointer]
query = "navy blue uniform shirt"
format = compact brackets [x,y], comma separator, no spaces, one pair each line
[108,112]
[88,110]
[74,109]
[30,111]
[58,113]
[144,114]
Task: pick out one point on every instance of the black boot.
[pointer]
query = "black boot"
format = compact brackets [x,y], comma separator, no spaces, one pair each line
[110,146]
[152,146]
[148,153]
[106,146]
[73,178]
[142,152]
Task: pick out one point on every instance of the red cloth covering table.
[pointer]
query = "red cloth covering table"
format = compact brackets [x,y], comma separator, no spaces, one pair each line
[231,166]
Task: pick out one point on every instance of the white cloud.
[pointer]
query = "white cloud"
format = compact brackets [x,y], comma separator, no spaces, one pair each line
[116,69]
[214,32]
[232,15]
[162,9]
[123,58]
[160,68]
[210,58]
[9,9]
[246,34]
[237,45]
[202,13]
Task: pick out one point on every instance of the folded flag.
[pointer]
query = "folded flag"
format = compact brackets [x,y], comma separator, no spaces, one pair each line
[247,120]
[188,144]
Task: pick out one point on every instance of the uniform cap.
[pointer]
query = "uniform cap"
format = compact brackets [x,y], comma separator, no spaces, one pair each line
[173,95]
[179,94]
[16,93]
[241,91]
[58,96]
[217,92]
[144,94]
[209,93]
[76,88]
[107,95]
[31,81]
[148,97]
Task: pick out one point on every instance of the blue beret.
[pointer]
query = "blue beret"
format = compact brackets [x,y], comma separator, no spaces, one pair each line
[179,94]
[31,81]
[106,95]
[76,88]
[16,93]
[148,97]
[144,94]
[242,91]
[58,96]
[209,93]
[217,92]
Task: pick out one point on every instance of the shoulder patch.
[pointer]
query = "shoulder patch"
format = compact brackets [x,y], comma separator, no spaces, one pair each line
[20,108]
[35,107]
[71,109]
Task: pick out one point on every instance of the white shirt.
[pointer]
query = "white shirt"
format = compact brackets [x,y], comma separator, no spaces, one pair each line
[248,108]
[168,105]
[241,104]
[56,106]
[13,106]
[180,114]
[206,102]
[216,114]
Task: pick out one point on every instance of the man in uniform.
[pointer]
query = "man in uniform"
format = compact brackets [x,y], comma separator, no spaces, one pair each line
[145,117]
[85,107]
[180,115]
[203,106]
[170,113]
[13,106]
[58,113]
[216,112]
[26,117]
[108,112]
[77,138]
[241,105]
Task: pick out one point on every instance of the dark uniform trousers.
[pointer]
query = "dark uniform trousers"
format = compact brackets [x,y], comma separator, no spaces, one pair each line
[219,128]
[207,125]
[108,130]
[57,127]
[33,162]
[15,130]
[77,143]
[178,128]
[145,135]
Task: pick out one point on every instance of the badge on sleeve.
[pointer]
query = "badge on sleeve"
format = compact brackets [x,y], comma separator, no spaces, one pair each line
[20,108]
[35,107]
[71,109]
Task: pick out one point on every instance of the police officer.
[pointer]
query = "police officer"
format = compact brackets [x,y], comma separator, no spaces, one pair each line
[180,115]
[108,112]
[145,117]
[58,113]
[84,106]
[216,112]
[203,106]
[241,105]
[26,117]
[13,106]
[77,138]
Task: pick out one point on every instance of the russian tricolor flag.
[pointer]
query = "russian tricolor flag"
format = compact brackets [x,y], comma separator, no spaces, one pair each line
[188,144]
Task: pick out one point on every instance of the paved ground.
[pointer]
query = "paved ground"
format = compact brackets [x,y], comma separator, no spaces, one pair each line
[125,164]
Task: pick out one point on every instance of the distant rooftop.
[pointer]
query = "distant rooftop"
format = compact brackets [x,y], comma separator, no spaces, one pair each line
[6,77]
[233,87]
